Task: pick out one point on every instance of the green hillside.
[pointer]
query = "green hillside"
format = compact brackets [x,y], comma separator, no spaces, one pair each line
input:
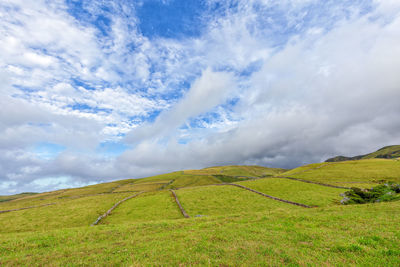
[387,152]
[278,217]
[12,197]
[359,173]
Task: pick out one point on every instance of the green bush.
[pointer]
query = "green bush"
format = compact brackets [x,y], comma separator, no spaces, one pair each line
[381,193]
[229,179]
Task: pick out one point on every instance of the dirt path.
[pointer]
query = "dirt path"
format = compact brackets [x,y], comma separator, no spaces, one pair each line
[268,196]
[179,204]
[113,207]
[31,207]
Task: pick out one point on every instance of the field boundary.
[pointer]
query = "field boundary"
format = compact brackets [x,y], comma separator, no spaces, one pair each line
[312,182]
[268,196]
[179,204]
[97,194]
[116,187]
[113,207]
[31,207]
[167,184]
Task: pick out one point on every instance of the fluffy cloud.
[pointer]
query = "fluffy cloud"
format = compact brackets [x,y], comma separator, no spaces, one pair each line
[323,94]
[208,91]
[276,83]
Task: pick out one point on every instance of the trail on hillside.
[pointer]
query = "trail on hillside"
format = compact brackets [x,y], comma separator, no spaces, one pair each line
[31,207]
[315,168]
[113,207]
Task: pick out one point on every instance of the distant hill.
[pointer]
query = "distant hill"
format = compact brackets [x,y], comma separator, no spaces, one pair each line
[387,152]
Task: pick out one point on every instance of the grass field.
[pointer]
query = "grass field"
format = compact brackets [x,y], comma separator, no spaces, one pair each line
[369,171]
[150,206]
[236,227]
[309,194]
[66,213]
[366,235]
[249,171]
[137,187]
[223,200]
[12,197]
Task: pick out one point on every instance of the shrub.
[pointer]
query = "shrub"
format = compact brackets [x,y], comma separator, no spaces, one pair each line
[381,193]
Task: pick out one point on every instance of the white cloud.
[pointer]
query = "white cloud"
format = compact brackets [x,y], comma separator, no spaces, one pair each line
[317,97]
[308,84]
[208,91]
[35,58]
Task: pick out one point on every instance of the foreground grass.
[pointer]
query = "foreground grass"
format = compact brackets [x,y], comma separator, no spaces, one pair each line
[342,235]
[239,226]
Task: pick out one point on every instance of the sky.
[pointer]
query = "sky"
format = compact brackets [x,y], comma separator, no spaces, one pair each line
[96,91]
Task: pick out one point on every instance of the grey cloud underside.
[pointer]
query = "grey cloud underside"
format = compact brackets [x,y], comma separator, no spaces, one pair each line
[324,93]
[313,99]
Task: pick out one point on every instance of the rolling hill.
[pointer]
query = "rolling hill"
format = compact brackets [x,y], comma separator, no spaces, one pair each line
[227,216]
[387,152]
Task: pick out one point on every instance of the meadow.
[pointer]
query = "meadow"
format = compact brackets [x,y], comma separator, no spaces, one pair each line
[228,225]
[345,173]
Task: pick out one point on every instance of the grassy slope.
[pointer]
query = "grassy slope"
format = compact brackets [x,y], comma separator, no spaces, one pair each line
[241,228]
[309,194]
[388,152]
[249,171]
[12,197]
[59,195]
[146,207]
[222,200]
[393,151]
[355,172]
[66,213]
[137,187]
[210,175]
[169,180]
[340,235]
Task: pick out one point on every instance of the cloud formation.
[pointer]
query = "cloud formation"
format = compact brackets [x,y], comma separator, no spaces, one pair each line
[208,91]
[274,83]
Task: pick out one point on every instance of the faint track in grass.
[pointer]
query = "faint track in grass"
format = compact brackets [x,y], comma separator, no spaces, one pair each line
[97,194]
[315,168]
[116,187]
[31,207]
[179,204]
[113,207]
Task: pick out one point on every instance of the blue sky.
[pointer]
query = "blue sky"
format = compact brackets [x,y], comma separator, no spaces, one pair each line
[95,91]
